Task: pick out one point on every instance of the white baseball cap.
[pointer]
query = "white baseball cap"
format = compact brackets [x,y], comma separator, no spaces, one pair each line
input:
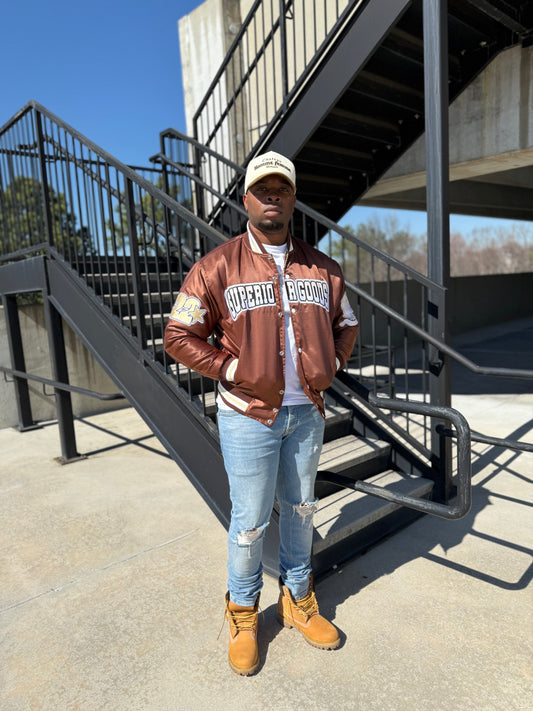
[268,164]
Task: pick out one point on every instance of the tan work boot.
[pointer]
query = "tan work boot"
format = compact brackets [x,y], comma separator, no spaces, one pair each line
[243,654]
[304,616]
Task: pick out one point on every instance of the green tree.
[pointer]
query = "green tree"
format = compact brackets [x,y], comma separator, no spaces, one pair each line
[23,219]
[149,216]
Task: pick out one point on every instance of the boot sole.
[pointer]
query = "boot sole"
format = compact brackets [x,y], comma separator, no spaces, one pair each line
[285,623]
[250,671]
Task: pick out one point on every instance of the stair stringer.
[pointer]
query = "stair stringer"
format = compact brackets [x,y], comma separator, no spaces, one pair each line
[186,438]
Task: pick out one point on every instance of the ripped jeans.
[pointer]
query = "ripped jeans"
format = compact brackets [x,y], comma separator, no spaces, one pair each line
[264,463]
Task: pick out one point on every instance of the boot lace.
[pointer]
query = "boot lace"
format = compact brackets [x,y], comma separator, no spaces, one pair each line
[308,605]
[241,620]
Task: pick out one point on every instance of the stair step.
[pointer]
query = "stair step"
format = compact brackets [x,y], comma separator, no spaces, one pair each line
[338,420]
[129,298]
[346,512]
[343,453]
[210,403]
[352,456]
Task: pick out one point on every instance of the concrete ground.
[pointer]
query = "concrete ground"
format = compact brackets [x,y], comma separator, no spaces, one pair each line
[113,575]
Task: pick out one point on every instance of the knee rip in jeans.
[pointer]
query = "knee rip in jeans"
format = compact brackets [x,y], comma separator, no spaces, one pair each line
[249,536]
[307,508]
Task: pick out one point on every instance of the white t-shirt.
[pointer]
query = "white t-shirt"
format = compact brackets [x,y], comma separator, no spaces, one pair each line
[294,393]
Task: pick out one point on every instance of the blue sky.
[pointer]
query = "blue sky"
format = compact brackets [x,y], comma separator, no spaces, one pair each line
[111,69]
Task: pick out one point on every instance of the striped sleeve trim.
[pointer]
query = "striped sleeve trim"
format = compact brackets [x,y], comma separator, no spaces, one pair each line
[231,399]
[230,372]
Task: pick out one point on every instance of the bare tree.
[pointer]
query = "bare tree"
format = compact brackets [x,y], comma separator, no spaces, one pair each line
[486,250]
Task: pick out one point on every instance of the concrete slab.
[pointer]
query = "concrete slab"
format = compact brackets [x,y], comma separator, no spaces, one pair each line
[113,575]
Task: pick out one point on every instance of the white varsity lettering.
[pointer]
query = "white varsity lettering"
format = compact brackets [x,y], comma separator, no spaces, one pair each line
[246,297]
[291,291]
[258,295]
[308,291]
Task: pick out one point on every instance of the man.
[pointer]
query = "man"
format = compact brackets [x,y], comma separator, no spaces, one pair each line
[283,326]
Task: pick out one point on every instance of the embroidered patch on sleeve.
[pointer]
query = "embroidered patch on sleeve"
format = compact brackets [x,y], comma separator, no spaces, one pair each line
[187,310]
[349,318]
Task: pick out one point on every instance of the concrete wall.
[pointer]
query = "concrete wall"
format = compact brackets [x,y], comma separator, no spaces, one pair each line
[478,301]
[205,35]
[84,371]
[474,302]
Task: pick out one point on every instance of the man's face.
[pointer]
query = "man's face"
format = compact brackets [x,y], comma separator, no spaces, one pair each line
[270,204]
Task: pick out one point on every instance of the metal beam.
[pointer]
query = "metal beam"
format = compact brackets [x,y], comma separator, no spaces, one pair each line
[467,197]
[437,170]
[333,76]
[16,350]
[58,358]
[194,448]
[490,9]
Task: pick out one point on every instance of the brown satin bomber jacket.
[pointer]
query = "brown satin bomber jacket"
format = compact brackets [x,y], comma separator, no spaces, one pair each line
[234,293]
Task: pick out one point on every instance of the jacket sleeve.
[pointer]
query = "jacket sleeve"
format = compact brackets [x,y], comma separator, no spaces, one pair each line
[192,320]
[345,329]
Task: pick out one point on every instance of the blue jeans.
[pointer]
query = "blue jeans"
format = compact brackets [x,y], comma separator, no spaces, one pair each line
[262,463]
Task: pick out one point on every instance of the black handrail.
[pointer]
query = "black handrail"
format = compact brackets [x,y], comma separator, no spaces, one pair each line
[61,386]
[129,241]
[463,501]
[112,162]
[485,439]
[301,207]
[143,223]
[349,237]
[441,349]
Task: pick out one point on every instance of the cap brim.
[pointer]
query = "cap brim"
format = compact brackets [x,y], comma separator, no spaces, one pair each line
[271,172]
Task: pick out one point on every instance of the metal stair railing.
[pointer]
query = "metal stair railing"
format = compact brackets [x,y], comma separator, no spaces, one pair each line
[395,354]
[126,239]
[392,304]
[64,197]
[273,55]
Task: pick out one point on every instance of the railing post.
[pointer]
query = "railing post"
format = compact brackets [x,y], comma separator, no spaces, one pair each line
[196,159]
[283,49]
[198,189]
[58,357]
[16,349]
[44,178]
[436,100]
[135,265]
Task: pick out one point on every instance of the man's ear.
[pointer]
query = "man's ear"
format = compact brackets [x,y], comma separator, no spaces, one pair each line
[245,201]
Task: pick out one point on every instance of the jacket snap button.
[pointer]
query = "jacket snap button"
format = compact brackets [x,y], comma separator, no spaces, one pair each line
[281,353]
[269,422]
[282,392]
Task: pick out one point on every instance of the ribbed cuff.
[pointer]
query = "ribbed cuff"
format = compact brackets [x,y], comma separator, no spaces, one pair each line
[230,371]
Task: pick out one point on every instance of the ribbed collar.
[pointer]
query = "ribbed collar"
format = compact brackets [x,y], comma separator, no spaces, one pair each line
[257,246]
